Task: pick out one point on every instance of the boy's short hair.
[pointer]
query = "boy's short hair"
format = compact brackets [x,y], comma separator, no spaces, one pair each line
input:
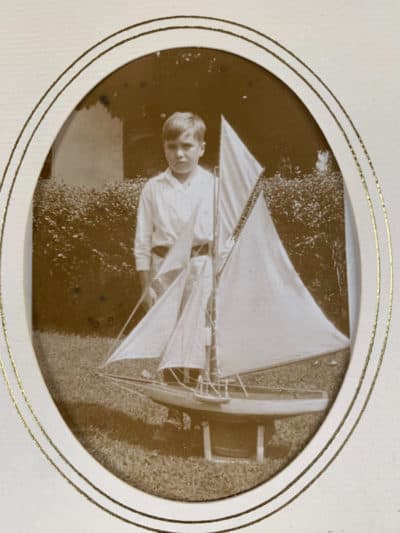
[179,122]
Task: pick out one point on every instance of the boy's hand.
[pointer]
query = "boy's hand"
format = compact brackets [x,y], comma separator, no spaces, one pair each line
[149,294]
[150,298]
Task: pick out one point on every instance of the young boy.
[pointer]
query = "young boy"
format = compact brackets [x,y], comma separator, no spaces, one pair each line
[166,205]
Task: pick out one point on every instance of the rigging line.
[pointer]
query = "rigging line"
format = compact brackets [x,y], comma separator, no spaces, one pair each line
[129,379]
[139,302]
[242,385]
[128,389]
[208,315]
[261,388]
[118,337]
[179,381]
[249,205]
[214,389]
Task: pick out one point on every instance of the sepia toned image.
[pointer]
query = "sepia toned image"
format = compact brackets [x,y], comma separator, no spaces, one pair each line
[190,303]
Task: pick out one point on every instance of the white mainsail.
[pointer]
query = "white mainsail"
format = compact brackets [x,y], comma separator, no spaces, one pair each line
[187,345]
[265,315]
[149,338]
[239,172]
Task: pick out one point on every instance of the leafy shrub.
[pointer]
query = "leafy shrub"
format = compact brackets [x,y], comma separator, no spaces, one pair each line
[84,278]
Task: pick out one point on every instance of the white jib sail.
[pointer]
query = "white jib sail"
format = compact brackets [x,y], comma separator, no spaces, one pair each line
[265,314]
[187,345]
[238,174]
[149,338]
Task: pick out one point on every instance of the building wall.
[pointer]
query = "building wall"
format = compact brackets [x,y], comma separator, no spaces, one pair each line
[89,148]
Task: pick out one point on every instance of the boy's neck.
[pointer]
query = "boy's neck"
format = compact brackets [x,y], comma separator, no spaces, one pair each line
[183,177]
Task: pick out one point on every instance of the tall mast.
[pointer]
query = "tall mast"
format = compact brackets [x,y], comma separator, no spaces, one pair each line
[212,355]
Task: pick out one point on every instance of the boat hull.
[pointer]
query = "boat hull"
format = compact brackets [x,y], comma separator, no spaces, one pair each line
[257,405]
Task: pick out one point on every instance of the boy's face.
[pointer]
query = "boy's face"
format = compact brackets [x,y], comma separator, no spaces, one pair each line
[183,153]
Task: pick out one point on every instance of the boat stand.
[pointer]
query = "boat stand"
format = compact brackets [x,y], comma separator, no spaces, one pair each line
[210,456]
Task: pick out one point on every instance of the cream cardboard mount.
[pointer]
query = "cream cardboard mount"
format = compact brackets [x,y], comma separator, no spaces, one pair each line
[347,477]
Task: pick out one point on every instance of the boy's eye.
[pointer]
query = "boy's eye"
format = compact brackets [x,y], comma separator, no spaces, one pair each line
[184,146]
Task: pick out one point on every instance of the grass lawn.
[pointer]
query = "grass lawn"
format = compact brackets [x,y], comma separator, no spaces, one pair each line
[125,432]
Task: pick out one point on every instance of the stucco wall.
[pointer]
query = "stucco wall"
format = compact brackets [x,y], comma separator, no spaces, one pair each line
[88,149]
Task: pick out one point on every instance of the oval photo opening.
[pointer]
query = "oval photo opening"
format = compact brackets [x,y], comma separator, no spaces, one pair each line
[192,246]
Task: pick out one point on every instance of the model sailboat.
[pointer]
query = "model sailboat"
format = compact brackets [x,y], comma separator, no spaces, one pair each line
[259,312]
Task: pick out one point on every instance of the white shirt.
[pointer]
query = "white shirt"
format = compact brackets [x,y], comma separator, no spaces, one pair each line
[165,207]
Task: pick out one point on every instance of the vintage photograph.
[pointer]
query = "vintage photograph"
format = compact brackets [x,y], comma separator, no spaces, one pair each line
[190,300]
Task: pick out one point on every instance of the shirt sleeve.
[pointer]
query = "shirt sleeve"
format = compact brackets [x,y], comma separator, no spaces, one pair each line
[144,230]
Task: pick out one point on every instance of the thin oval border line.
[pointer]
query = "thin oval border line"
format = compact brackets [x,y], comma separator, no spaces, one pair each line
[288,65]
[212,29]
[166,28]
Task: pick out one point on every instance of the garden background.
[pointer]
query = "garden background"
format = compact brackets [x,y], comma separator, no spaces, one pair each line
[84,279]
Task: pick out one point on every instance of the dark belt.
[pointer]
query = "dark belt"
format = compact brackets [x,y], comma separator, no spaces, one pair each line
[200,249]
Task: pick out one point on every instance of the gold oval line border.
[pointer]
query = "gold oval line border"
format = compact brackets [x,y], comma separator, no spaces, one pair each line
[375,233]
[120,43]
[137,36]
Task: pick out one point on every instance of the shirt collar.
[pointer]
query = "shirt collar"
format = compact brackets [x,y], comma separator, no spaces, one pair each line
[174,182]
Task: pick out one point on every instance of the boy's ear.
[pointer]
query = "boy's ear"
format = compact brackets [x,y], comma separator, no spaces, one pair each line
[203,148]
